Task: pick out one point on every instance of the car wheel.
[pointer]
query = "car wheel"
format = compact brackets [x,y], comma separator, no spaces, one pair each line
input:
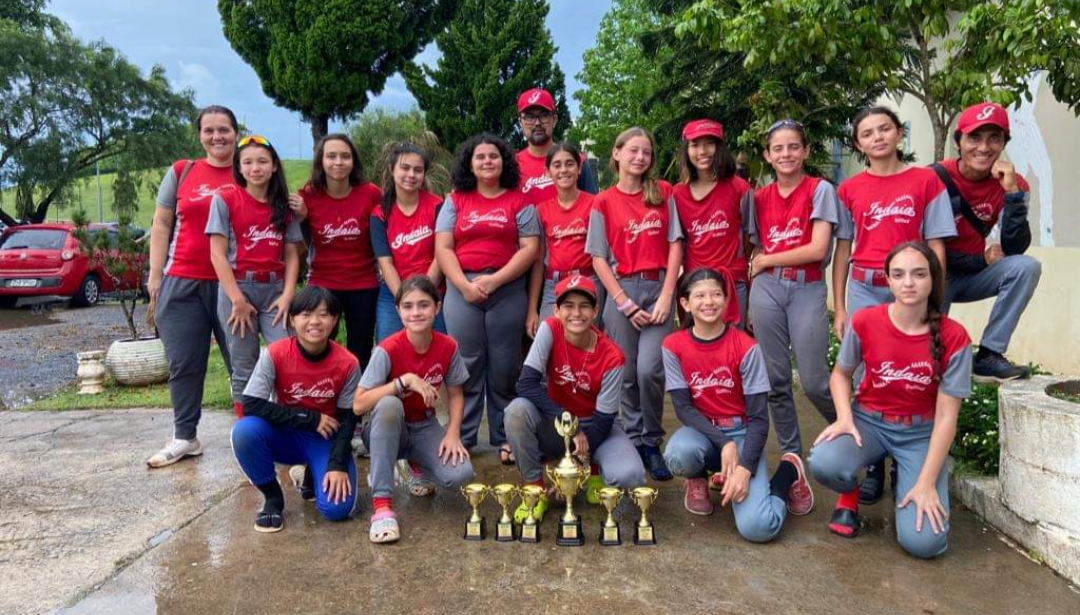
[89,292]
[6,303]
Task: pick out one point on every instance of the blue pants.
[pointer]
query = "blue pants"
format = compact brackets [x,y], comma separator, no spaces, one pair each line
[258,445]
[837,465]
[387,320]
[761,515]
[1012,280]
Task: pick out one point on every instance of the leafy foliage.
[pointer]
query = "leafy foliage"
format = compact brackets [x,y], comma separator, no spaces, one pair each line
[376,132]
[977,449]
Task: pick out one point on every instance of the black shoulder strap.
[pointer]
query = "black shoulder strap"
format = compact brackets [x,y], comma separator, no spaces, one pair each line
[959,205]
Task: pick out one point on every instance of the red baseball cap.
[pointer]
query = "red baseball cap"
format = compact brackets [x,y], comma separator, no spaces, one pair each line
[536,97]
[702,128]
[575,283]
[982,114]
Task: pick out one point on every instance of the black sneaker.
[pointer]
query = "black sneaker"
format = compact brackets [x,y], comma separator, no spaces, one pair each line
[269,521]
[990,366]
[654,463]
[873,486]
[844,522]
[304,482]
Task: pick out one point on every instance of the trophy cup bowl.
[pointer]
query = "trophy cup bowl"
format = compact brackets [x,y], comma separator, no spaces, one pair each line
[474,494]
[530,528]
[568,477]
[504,494]
[644,532]
[609,532]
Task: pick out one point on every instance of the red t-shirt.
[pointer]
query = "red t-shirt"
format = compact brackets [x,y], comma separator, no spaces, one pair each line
[636,233]
[713,226]
[574,375]
[189,249]
[900,377]
[713,370]
[888,210]
[987,199]
[315,386]
[340,256]
[784,222]
[433,366]
[535,183]
[564,233]
[486,230]
[411,238]
[260,246]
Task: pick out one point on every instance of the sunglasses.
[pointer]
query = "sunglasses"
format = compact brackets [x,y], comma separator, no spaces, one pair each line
[256,139]
[785,123]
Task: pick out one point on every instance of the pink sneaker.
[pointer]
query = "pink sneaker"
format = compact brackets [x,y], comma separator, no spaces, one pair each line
[800,500]
[697,496]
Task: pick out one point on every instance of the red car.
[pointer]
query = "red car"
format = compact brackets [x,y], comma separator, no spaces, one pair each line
[44,259]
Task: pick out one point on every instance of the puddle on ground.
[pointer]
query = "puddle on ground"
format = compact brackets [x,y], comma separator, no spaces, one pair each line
[34,315]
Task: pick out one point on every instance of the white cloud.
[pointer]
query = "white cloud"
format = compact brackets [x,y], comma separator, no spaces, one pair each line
[199,78]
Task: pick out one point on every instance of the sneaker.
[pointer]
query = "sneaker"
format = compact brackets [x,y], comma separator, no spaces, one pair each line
[175,451]
[654,463]
[541,507]
[357,443]
[845,522]
[269,522]
[800,500]
[990,366]
[303,481]
[592,489]
[697,499]
[873,486]
[414,480]
[716,481]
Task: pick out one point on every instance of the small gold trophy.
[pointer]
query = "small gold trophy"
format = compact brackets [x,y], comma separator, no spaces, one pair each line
[504,494]
[644,532]
[568,477]
[474,494]
[530,528]
[609,533]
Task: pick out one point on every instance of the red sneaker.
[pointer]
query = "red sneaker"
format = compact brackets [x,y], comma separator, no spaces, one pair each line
[844,522]
[716,481]
[697,497]
[800,500]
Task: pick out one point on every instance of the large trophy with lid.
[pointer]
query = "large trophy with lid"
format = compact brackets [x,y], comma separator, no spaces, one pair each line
[568,477]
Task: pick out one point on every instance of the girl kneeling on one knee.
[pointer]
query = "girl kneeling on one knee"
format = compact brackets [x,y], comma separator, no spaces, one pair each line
[717,379]
[917,366]
[297,406]
[399,390]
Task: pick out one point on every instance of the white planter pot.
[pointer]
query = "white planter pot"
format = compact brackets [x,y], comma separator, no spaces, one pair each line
[137,362]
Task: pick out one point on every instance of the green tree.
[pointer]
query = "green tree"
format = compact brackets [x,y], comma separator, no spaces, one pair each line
[325,58]
[945,53]
[376,132]
[492,52]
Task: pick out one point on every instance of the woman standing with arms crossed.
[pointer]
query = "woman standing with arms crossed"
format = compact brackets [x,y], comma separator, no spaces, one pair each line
[486,238]
[635,242]
[183,286]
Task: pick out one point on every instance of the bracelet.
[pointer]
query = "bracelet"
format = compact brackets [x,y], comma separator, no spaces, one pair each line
[625,305]
[631,314]
[615,299]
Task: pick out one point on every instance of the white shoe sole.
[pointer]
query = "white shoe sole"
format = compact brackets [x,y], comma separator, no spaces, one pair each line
[168,462]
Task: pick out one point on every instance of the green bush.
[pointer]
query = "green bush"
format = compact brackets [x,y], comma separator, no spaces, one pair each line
[976,449]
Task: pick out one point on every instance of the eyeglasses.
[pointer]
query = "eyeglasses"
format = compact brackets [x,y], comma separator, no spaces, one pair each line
[785,123]
[256,139]
[532,118]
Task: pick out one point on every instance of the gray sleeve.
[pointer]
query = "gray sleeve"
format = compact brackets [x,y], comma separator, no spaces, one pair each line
[746,209]
[261,383]
[218,222]
[348,392]
[540,351]
[845,227]
[596,242]
[166,194]
[826,206]
[755,378]
[447,218]
[850,350]
[293,234]
[610,397]
[377,371]
[458,372]
[674,230]
[750,222]
[956,380]
[528,224]
[673,376]
[938,220]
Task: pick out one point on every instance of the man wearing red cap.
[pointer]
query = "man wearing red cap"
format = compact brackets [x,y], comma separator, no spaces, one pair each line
[986,191]
[537,114]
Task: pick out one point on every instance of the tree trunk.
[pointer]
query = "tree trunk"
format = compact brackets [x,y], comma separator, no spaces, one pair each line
[940,138]
[320,125]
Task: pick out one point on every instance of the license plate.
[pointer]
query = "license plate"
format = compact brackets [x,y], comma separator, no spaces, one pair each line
[22,283]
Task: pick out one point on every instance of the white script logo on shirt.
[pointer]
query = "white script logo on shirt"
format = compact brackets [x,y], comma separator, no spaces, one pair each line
[917,376]
[411,238]
[650,225]
[256,235]
[204,191]
[901,210]
[348,230]
[495,217]
[573,228]
[539,182]
[565,376]
[789,235]
[320,391]
[719,378]
[716,224]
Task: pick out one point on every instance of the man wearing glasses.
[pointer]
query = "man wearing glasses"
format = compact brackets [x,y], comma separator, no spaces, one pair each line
[536,112]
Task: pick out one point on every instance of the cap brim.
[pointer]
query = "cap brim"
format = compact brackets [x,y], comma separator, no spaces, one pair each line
[977,125]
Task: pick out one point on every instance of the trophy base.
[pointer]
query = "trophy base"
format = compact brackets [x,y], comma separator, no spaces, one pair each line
[644,535]
[504,532]
[530,533]
[569,534]
[610,536]
[475,530]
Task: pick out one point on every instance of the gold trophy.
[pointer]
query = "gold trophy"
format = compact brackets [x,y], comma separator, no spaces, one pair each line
[568,477]
[474,494]
[530,528]
[609,533]
[644,532]
[504,495]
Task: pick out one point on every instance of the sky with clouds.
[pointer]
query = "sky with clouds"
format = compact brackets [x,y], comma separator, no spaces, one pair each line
[186,39]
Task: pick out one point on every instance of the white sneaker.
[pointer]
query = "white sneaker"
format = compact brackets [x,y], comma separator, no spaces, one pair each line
[418,483]
[175,451]
[297,473]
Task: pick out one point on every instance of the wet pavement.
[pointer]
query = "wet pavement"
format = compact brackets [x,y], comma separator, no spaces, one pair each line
[85,525]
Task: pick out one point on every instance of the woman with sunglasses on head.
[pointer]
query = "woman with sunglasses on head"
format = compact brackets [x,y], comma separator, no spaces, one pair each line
[336,206]
[254,246]
[183,286]
[486,238]
[792,221]
[917,370]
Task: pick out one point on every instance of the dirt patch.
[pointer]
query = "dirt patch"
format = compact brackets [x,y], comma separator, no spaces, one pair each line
[1068,390]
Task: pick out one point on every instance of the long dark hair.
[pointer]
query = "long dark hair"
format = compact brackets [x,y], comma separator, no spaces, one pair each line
[389,188]
[867,112]
[722,167]
[421,283]
[277,191]
[701,274]
[310,298]
[936,299]
[216,109]
[653,197]
[462,175]
[318,173]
